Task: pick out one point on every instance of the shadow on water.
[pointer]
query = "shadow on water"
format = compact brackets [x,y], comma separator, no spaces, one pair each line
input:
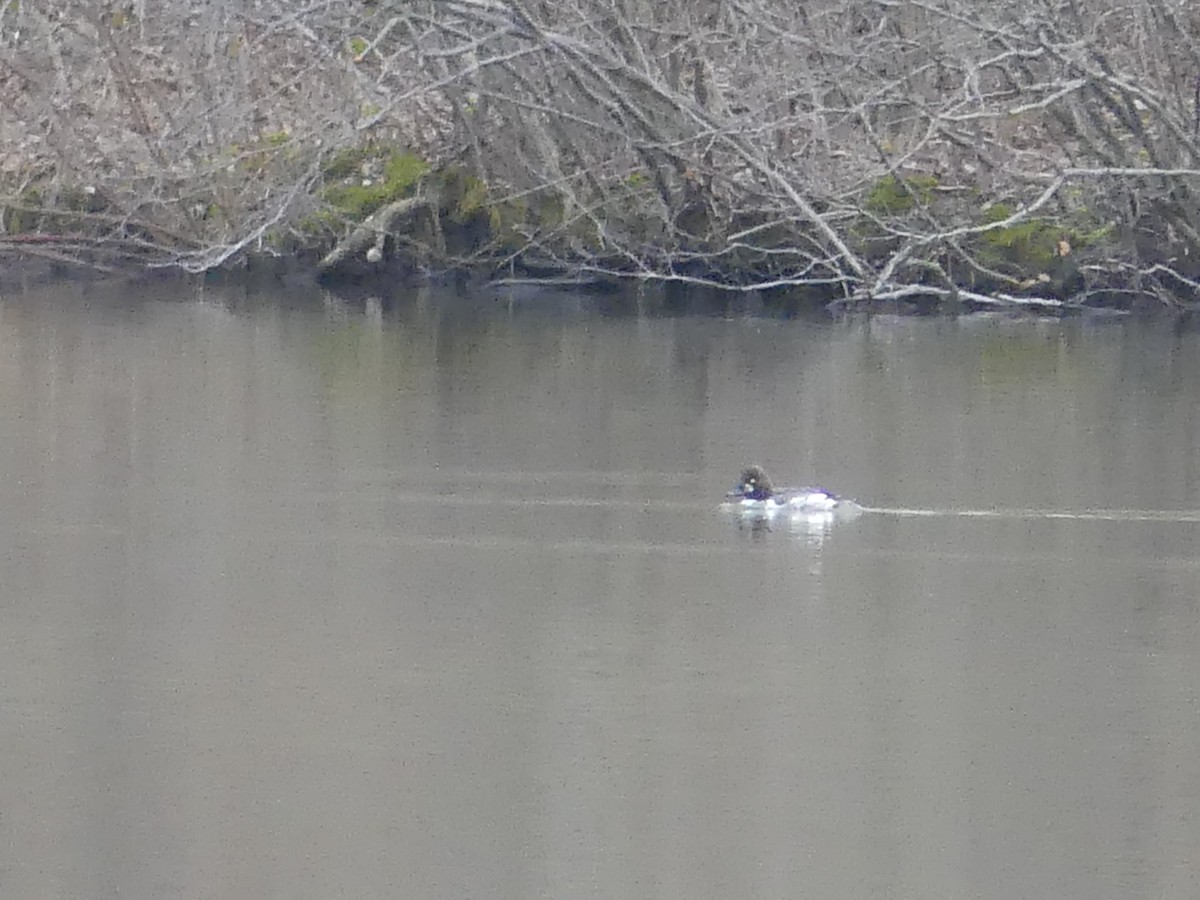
[663,300]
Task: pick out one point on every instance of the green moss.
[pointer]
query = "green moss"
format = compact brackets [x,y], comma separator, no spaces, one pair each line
[355,199]
[276,138]
[1031,244]
[323,224]
[1094,236]
[121,18]
[345,163]
[638,180]
[511,222]
[358,46]
[891,195]
[350,161]
[464,195]
[508,221]
[997,212]
[1039,245]
[20,221]
[402,171]
[473,199]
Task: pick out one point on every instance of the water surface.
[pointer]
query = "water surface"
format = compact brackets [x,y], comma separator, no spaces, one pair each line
[432,598]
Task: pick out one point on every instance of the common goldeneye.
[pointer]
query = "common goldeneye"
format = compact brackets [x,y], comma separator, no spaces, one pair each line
[754,492]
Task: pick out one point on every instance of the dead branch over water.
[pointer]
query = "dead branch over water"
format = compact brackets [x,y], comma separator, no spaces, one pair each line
[1021,151]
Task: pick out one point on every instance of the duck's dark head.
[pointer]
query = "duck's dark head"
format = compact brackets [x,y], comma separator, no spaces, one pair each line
[753,485]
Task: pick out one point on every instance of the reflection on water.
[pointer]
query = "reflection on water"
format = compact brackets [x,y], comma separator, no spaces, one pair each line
[435,598]
[815,526]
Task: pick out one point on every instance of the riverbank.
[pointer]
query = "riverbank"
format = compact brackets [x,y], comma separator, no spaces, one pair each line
[412,221]
[933,158]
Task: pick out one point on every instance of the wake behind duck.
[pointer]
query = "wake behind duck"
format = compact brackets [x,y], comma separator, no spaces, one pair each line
[756,500]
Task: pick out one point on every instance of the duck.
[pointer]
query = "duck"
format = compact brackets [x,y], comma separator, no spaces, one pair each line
[754,492]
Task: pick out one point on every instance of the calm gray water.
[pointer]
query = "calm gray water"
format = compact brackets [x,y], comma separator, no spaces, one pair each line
[305,599]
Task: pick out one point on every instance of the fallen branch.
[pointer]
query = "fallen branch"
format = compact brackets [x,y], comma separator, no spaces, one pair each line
[371,234]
